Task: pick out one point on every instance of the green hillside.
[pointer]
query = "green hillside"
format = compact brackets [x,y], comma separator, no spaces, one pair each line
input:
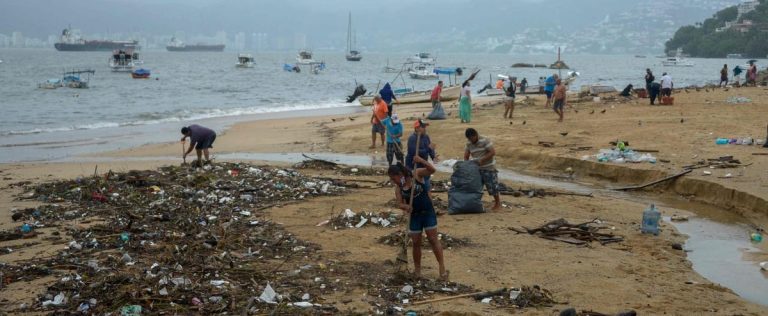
[704,40]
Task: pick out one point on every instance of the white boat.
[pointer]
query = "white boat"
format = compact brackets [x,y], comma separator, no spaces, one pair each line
[123,60]
[425,96]
[305,58]
[677,61]
[245,61]
[421,58]
[352,53]
[734,56]
[423,72]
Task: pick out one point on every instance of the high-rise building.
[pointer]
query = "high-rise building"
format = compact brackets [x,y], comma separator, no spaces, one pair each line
[17,40]
[240,41]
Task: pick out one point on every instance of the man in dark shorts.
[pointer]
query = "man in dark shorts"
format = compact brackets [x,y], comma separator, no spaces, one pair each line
[559,99]
[200,139]
[481,151]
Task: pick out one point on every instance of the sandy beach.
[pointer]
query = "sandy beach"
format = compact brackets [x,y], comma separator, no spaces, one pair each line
[642,273]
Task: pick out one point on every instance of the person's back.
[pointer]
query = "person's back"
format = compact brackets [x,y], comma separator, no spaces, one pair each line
[559,92]
[380,111]
[199,133]
[550,84]
[666,82]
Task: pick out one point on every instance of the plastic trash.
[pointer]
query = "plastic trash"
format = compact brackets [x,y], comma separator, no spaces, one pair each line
[26,228]
[130,310]
[362,222]
[764,265]
[651,217]
[486,300]
[407,289]
[756,237]
[721,141]
[268,295]
[57,300]
[302,304]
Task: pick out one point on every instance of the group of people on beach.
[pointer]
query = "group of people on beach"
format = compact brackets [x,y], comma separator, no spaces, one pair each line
[751,76]
[410,169]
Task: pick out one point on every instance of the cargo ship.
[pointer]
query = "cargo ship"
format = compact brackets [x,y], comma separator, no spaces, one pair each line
[70,41]
[176,45]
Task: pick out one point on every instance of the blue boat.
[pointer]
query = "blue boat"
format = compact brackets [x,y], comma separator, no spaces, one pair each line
[140,73]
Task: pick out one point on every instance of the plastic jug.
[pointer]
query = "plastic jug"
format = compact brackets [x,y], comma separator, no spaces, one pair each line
[651,217]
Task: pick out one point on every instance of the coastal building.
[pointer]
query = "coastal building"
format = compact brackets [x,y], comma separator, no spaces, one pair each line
[746,7]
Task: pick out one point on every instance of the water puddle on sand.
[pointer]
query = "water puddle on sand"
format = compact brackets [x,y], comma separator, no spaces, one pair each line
[718,241]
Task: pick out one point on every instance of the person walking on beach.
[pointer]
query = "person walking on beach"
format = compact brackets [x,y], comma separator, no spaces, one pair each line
[200,139]
[752,73]
[549,88]
[394,131]
[724,76]
[378,115]
[481,151]
[465,103]
[388,96]
[509,101]
[523,85]
[737,75]
[437,94]
[649,78]
[426,148]
[419,209]
[666,85]
[654,91]
[559,96]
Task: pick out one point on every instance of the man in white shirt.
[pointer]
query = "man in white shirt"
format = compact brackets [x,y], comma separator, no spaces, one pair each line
[666,85]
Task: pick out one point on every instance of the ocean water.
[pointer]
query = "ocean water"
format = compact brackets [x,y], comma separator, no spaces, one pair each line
[118,111]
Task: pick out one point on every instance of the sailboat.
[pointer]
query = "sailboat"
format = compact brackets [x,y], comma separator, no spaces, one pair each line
[352,54]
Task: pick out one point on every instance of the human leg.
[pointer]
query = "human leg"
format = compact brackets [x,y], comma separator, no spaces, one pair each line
[491,181]
[437,248]
[416,250]
[390,153]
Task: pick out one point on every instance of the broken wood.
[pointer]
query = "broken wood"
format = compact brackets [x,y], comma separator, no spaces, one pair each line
[575,234]
[320,160]
[637,187]
[645,150]
[760,154]
[546,144]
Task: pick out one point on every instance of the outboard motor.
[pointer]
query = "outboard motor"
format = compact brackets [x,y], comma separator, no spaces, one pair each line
[488,86]
[359,90]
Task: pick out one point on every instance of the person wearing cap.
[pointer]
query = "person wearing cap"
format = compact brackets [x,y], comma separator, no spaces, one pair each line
[379,114]
[200,139]
[426,148]
[394,130]
[480,150]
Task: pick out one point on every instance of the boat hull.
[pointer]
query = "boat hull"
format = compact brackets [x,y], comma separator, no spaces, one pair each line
[448,94]
[354,58]
[196,48]
[91,46]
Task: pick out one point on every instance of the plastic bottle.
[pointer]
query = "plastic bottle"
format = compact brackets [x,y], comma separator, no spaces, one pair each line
[26,228]
[721,141]
[756,237]
[651,217]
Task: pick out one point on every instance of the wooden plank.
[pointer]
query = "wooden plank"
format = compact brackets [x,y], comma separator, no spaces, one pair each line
[672,177]
[568,240]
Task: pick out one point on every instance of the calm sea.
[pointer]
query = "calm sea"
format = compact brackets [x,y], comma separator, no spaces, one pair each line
[119,112]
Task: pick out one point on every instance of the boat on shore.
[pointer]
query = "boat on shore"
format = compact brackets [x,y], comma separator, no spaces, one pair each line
[425,96]
[245,61]
[176,45]
[140,73]
[352,53]
[72,42]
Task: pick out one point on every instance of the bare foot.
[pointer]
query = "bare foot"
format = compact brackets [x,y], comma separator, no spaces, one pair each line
[445,276]
[372,147]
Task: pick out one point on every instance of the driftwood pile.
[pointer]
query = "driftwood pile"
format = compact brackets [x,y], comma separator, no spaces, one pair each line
[575,234]
[724,162]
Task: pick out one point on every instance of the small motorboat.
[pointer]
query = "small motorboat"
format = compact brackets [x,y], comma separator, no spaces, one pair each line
[423,72]
[421,58]
[140,73]
[245,61]
[50,84]
[305,57]
[123,60]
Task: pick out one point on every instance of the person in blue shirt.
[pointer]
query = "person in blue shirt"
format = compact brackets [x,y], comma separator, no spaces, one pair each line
[388,95]
[426,148]
[394,131]
[549,88]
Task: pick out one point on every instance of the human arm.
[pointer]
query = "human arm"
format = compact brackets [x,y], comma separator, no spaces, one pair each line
[400,201]
[191,147]
[426,170]
[466,154]
[488,156]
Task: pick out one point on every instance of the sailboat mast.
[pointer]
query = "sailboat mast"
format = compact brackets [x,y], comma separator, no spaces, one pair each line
[349,32]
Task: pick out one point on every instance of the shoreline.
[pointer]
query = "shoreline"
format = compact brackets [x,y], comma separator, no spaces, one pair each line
[660,274]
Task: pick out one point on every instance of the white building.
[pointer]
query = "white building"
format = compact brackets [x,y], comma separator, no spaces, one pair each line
[240,41]
[17,40]
[747,6]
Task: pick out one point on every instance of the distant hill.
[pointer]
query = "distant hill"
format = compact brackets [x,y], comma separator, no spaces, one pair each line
[725,33]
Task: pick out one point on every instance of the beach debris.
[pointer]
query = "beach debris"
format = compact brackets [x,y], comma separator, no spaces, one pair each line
[723,162]
[575,234]
[534,192]
[738,100]
[679,218]
[350,219]
[176,234]
[618,155]
[395,239]
[764,265]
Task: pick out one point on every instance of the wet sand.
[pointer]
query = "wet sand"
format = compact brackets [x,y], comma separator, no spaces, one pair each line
[642,273]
